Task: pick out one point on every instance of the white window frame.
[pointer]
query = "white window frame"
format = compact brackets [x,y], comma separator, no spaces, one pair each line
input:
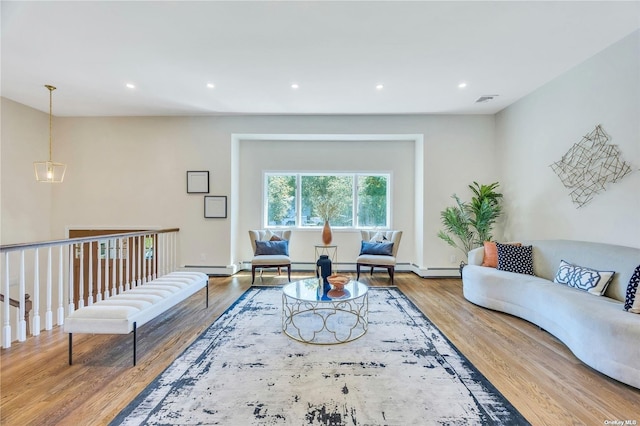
[298,199]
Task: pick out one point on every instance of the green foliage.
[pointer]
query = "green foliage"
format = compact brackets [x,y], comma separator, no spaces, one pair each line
[372,197]
[328,197]
[281,193]
[469,224]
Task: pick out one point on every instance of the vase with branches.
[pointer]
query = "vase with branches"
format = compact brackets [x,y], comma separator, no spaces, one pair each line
[327,207]
[469,224]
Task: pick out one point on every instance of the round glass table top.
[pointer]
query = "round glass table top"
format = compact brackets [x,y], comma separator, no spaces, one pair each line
[313,290]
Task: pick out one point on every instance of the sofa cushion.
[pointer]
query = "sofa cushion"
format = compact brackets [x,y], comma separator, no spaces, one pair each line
[582,278]
[632,302]
[272,248]
[491,254]
[379,249]
[518,259]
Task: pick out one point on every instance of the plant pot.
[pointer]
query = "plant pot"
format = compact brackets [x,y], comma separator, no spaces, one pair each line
[462,265]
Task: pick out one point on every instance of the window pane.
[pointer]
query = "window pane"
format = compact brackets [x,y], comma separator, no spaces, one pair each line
[281,200]
[327,198]
[372,201]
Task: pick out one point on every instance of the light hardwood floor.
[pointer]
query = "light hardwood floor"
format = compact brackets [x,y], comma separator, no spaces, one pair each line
[531,368]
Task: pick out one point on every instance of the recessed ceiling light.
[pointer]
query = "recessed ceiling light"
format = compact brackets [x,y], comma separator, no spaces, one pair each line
[130,85]
[462,85]
[379,86]
[210,85]
[295,86]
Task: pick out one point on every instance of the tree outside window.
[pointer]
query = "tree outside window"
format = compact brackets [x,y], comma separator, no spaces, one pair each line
[372,201]
[281,200]
[345,200]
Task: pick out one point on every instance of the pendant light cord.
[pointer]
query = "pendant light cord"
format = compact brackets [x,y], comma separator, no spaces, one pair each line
[51,89]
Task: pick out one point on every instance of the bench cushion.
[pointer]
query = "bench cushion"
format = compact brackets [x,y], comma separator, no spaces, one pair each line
[141,304]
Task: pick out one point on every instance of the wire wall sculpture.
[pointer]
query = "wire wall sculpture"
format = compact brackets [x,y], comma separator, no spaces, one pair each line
[589,166]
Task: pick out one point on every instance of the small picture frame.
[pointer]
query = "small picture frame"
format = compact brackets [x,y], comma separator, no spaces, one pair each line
[197,182]
[215,206]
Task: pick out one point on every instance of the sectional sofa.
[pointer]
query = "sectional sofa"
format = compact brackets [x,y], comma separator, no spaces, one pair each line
[596,329]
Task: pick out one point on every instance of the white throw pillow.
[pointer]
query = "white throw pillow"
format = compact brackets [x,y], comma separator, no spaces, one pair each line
[587,279]
[378,238]
[267,235]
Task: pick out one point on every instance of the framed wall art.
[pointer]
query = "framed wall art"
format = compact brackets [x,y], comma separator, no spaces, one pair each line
[215,206]
[197,182]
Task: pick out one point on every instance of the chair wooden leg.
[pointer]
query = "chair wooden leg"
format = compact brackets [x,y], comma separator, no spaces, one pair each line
[289,272]
[391,270]
[357,271]
[253,274]
[372,271]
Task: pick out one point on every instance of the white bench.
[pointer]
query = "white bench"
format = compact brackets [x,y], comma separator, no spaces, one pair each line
[125,312]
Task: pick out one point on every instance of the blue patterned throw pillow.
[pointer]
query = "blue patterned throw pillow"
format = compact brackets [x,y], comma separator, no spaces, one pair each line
[379,249]
[266,248]
[518,259]
[631,302]
[587,279]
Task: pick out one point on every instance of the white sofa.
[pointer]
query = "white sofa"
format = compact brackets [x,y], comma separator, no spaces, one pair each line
[595,328]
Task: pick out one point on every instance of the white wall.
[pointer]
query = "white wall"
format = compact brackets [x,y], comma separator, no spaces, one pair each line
[25,213]
[131,172]
[537,130]
[391,156]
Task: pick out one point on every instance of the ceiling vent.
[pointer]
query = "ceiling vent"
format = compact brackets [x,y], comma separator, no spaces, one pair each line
[485,98]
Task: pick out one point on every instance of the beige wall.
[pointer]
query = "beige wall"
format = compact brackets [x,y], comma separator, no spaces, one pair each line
[131,172]
[539,129]
[26,205]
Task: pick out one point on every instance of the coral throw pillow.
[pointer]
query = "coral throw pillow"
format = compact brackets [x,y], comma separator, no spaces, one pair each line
[491,253]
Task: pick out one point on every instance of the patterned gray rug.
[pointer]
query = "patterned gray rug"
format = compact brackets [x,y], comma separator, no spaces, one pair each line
[244,371]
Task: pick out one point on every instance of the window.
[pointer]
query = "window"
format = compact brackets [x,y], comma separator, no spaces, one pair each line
[307,199]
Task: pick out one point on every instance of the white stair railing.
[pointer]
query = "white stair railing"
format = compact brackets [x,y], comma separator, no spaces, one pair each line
[130,259]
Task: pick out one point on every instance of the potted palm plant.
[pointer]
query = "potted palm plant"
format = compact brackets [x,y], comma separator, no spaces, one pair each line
[468,225]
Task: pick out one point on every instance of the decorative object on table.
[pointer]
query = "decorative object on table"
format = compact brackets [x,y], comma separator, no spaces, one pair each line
[327,207]
[49,171]
[337,283]
[324,266]
[198,182]
[469,224]
[327,235]
[215,206]
[403,371]
[589,166]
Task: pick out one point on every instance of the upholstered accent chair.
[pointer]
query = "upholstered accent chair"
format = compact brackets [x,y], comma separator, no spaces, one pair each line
[271,250]
[374,258]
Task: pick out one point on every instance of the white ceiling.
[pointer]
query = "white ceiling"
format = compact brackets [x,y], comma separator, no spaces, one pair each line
[336,51]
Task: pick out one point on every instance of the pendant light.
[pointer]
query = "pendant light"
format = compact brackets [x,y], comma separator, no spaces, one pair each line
[48,171]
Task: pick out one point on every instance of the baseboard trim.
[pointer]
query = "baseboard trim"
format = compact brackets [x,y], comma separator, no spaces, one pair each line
[228,270]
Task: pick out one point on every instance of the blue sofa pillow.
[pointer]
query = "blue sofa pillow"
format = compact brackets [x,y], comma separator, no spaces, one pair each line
[380,249]
[272,248]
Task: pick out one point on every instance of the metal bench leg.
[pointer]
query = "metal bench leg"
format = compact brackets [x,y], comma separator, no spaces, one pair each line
[134,343]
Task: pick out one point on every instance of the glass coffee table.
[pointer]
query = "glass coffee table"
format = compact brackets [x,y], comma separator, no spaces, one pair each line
[313,314]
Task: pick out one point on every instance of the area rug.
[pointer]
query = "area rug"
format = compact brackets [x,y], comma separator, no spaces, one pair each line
[244,371]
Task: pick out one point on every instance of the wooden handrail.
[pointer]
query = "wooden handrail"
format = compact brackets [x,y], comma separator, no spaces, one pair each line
[79,240]
[28,305]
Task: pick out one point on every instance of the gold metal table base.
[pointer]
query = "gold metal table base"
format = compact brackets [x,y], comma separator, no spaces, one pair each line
[325,322]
